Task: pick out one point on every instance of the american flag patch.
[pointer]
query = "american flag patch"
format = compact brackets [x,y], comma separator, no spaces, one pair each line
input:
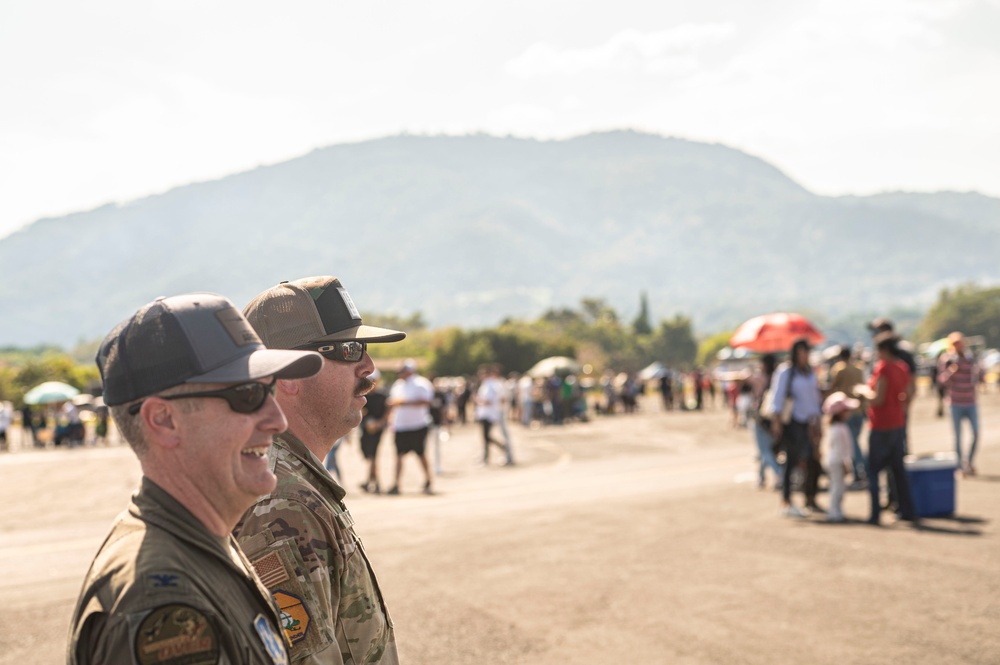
[269,570]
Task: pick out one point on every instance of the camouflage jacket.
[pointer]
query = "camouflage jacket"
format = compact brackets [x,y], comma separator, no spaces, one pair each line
[301,540]
[163,589]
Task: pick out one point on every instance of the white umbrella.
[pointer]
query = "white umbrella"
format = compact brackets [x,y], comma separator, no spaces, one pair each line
[50,391]
[654,370]
[554,365]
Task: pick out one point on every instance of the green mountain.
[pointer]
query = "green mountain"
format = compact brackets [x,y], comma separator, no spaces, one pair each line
[471,230]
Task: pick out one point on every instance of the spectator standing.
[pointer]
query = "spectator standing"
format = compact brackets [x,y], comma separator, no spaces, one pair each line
[373,422]
[844,377]
[190,386]
[891,390]
[439,423]
[796,381]
[489,411]
[839,449]
[960,375]
[760,381]
[75,431]
[667,390]
[409,402]
[882,325]
[6,418]
[28,426]
[526,399]
[300,536]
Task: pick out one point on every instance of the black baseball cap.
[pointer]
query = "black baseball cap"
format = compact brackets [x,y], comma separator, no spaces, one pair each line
[190,338]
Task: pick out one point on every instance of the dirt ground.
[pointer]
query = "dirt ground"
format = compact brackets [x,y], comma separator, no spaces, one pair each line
[629,539]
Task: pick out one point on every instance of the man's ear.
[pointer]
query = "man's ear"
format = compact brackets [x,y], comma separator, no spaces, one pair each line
[159,417]
[289,386]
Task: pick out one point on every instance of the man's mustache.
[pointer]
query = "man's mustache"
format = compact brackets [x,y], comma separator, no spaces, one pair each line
[365,386]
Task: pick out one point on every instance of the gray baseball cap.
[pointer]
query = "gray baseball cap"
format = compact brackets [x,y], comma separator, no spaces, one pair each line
[191,338]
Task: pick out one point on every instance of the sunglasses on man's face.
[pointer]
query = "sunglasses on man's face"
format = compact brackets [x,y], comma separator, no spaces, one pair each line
[348,352]
[242,398]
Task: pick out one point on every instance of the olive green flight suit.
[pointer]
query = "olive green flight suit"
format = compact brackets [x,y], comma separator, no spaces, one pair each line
[163,589]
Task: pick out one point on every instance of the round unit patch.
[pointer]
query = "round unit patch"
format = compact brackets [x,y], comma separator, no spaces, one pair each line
[295,618]
[176,634]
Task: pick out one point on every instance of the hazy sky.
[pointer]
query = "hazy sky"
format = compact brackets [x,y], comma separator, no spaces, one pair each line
[111,100]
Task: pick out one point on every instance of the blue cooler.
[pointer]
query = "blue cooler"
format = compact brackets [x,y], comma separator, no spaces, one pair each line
[932,483]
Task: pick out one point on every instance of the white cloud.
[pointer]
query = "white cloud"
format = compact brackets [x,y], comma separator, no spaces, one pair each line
[669,52]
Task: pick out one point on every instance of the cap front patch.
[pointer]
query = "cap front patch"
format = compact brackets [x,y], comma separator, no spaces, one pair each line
[349,303]
[237,327]
[175,634]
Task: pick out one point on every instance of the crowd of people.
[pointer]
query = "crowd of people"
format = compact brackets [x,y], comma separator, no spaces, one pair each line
[808,423]
[238,545]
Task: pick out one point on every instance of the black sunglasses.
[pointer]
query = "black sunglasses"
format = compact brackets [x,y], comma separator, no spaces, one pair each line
[242,398]
[348,352]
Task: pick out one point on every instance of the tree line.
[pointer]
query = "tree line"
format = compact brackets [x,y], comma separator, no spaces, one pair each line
[593,333]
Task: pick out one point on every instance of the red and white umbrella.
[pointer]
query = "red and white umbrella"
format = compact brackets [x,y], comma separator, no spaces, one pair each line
[773,333]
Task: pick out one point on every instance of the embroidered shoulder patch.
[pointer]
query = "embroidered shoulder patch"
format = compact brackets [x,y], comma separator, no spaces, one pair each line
[295,617]
[175,634]
[270,570]
[271,641]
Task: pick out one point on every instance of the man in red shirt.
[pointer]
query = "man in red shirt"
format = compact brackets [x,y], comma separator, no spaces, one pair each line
[892,390]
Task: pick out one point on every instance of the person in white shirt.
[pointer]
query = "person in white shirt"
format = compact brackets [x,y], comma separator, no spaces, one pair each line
[410,402]
[839,450]
[489,411]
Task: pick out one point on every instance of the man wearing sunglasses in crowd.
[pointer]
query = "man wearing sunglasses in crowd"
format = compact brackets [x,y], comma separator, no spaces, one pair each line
[300,537]
[190,387]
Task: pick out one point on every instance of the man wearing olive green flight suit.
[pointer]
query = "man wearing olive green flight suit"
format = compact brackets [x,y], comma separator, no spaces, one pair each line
[191,388]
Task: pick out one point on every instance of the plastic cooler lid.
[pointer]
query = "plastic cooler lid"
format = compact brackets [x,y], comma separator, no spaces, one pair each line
[931,462]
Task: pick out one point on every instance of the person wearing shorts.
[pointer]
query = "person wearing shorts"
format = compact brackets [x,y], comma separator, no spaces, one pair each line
[410,401]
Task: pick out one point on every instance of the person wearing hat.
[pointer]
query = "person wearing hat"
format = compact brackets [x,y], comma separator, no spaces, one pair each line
[190,386]
[844,376]
[840,448]
[410,400]
[890,390]
[300,537]
[883,326]
[960,374]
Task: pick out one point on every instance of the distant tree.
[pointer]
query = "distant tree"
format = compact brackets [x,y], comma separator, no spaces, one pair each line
[597,309]
[641,324]
[968,309]
[673,343]
[21,375]
[563,316]
[708,348]
[405,323]
[9,390]
[456,353]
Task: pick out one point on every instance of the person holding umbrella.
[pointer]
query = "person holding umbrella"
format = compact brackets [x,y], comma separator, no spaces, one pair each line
[798,427]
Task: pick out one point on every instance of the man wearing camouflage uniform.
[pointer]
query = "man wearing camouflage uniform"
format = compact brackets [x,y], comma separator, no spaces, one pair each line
[300,537]
[190,386]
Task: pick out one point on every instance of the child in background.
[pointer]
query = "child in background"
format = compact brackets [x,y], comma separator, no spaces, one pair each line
[839,449]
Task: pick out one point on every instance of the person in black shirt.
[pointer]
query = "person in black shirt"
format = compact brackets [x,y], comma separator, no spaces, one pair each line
[373,420]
